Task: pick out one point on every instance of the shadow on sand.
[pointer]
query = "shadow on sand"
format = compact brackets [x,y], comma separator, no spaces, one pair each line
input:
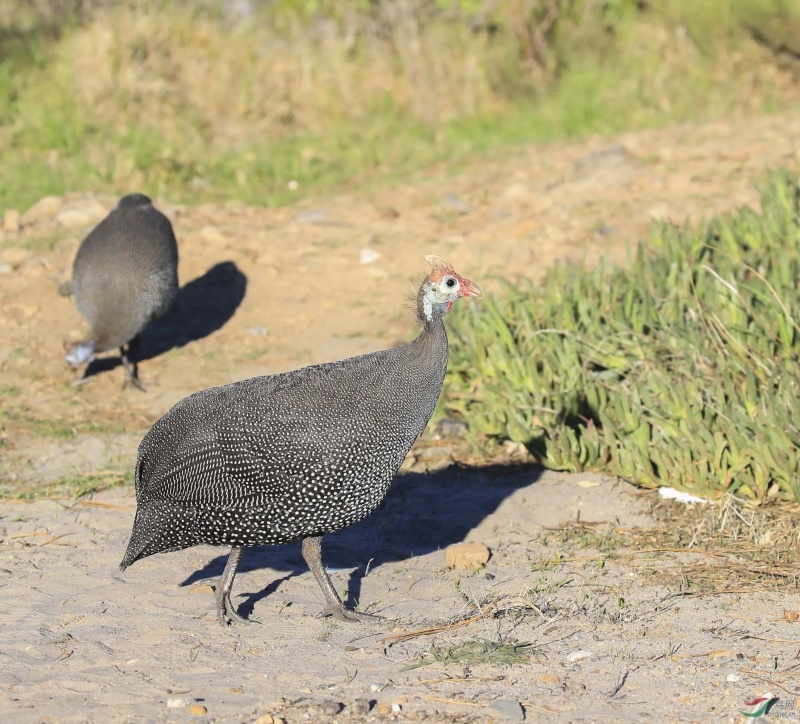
[422,513]
[202,306]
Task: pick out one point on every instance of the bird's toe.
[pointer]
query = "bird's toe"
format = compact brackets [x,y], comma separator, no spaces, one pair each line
[227,613]
[340,613]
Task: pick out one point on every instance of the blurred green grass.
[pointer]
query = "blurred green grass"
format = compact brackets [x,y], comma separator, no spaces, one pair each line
[263,103]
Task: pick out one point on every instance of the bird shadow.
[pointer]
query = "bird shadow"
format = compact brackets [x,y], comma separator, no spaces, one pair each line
[423,512]
[201,307]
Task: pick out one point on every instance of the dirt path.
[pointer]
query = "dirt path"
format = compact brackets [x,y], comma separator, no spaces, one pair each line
[270,289]
[559,621]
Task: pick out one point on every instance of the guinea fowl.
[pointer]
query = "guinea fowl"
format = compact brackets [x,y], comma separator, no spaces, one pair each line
[125,275]
[272,459]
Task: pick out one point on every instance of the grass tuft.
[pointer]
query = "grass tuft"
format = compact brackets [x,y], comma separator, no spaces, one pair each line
[477,651]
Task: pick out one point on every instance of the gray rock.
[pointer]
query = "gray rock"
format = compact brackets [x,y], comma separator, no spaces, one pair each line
[313,216]
[612,167]
[509,709]
[457,204]
[360,707]
[449,427]
[325,710]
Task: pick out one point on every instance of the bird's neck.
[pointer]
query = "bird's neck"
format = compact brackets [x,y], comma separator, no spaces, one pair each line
[432,341]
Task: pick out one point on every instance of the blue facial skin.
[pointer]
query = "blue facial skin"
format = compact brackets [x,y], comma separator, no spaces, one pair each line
[80,353]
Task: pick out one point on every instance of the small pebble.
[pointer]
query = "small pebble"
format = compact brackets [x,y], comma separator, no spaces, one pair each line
[15,256]
[732,678]
[578,655]
[330,708]
[384,709]
[368,256]
[515,449]
[175,702]
[212,235]
[314,216]
[466,555]
[360,707]
[197,710]
[549,678]
[457,204]
[516,191]
[451,428]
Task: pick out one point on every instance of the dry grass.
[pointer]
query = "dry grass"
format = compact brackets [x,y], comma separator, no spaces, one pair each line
[725,547]
[218,100]
[186,74]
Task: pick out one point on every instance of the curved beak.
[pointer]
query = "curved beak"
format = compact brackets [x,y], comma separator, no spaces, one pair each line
[470,289]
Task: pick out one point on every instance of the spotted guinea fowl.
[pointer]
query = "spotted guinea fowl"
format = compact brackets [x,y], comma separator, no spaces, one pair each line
[125,275]
[295,455]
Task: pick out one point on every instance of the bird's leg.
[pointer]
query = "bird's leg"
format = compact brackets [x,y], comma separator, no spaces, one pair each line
[129,362]
[226,613]
[312,553]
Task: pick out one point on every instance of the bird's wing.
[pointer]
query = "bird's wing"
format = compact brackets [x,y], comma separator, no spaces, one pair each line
[249,440]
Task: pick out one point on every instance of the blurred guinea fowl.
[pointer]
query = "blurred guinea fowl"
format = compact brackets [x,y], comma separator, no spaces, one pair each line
[272,459]
[125,275]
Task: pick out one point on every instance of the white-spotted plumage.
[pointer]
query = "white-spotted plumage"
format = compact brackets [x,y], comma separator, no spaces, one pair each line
[272,459]
[125,275]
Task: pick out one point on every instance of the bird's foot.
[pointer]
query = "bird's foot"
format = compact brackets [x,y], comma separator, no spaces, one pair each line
[340,613]
[226,613]
[134,382]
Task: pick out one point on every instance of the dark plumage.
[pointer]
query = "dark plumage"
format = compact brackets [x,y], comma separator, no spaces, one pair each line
[125,275]
[294,455]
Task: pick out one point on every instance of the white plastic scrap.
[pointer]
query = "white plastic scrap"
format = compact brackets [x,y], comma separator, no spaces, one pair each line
[680,496]
[368,256]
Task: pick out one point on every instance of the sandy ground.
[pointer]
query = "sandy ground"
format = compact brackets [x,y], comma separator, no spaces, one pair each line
[270,289]
[609,641]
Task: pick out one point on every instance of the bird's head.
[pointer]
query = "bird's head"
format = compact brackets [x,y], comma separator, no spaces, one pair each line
[79,353]
[441,288]
[134,201]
